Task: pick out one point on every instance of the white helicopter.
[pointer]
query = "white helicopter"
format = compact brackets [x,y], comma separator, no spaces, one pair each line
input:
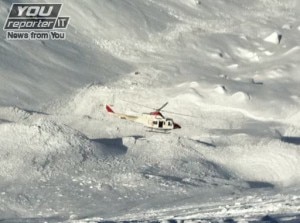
[153,120]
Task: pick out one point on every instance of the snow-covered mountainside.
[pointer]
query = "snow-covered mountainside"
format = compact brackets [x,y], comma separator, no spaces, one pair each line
[230,72]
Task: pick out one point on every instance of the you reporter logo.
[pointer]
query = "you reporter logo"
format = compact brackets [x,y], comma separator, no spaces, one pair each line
[32,17]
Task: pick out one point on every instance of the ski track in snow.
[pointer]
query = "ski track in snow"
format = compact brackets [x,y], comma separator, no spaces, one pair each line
[230,84]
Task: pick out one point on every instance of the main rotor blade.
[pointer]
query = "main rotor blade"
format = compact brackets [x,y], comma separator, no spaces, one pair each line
[181,114]
[164,105]
[131,102]
[170,112]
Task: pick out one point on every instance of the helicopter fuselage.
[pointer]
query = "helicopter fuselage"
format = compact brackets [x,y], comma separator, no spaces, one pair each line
[154,120]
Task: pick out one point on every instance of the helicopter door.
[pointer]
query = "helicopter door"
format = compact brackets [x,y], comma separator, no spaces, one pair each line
[160,124]
[154,124]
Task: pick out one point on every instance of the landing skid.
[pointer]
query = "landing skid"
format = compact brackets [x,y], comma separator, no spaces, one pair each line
[164,131]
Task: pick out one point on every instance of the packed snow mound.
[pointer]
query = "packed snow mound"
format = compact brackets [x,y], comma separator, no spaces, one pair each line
[86,101]
[172,156]
[274,38]
[14,114]
[43,149]
[247,54]
[263,161]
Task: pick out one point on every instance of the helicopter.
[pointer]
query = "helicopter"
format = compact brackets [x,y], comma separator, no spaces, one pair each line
[154,120]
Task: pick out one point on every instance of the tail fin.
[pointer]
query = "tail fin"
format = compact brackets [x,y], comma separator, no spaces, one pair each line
[108,109]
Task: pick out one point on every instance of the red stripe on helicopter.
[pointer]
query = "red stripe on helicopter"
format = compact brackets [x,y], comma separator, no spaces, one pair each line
[156,113]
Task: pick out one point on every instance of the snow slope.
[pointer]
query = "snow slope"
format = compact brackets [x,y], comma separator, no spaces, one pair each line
[230,82]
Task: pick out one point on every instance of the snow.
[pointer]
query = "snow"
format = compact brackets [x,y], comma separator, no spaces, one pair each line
[274,38]
[236,96]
